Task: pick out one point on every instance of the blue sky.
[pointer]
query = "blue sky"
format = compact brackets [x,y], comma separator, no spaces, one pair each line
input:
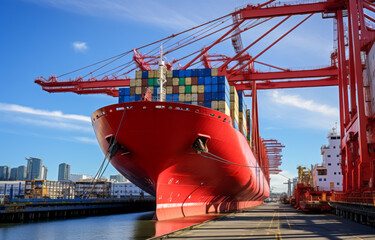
[43,37]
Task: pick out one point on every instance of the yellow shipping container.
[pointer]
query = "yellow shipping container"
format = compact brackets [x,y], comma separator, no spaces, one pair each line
[194,89]
[151,89]
[181,97]
[194,97]
[176,81]
[188,97]
[151,74]
[169,90]
[138,74]
[200,88]
[223,107]
[188,81]
[181,89]
[138,90]
[214,105]
[169,74]
[132,82]
[214,72]
[138,82]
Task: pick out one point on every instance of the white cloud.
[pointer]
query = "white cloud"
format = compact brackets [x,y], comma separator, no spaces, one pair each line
[148,11]
[53,114]
[54,124]
[299,102]
[86,140]
[80,46]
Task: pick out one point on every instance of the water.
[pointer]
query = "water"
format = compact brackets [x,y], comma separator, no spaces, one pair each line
[122,226]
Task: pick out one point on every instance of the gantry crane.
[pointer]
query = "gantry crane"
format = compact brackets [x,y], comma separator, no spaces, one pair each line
[346,71]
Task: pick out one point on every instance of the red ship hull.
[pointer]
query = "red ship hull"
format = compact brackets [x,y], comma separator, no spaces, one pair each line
[157,155]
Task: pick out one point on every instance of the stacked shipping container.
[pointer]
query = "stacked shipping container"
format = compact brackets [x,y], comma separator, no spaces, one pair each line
[201,87]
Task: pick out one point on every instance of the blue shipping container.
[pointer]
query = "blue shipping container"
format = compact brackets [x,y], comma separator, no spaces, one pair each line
[176,73]
[221,79]
[156,90]
[200,80]
[124,91]
[215,96]
[207,72]
[214,80]
[201,73]
[175,97]
[144,74]
[207,88]
[194,72]
[188,73]
[169,97]
[221,88]
[221,96]
[182,73]
[207,104]
[235,124]
[132,98]
[121,99]
[138,97]
[126,98]
[207,96]
[207,80]
[214,88]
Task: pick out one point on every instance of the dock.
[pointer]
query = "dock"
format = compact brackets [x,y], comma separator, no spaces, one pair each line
[276,221]
[38,210]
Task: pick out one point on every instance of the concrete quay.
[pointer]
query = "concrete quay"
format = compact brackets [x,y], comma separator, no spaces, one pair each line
[276,221]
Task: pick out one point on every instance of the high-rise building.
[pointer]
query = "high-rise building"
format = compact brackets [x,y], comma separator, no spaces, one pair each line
[117,178]
[13,174]
[4,173]
[64,172]
[34,168]
[44,173]
[21,173]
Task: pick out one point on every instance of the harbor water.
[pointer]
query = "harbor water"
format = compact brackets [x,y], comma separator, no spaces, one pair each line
[121,226]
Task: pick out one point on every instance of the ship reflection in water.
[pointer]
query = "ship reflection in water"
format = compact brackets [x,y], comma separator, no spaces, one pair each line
[122,226]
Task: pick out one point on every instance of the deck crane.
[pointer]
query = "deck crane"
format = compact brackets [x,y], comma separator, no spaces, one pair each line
[346,71]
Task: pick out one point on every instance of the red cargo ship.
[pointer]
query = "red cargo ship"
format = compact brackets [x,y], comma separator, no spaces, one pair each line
[189,157]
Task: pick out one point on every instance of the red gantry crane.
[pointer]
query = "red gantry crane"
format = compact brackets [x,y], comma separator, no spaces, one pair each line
[346,71]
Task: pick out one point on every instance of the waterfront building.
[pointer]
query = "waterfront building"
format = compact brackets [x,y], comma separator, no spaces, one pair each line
[44,189]
[21,173]
[90,189]
[13,174]
[328,175]
[79,177]
[44,173]
[34,168]
[126,190]
[64,172]
[117,178]
[4,173]
[13,189]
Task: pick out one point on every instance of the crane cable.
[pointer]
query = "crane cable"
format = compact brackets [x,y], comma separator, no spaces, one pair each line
[144,46]
[100,171]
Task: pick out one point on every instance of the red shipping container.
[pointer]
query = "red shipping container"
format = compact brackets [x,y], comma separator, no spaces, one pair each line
[144,82]
[200,97]
[175,89]
[194,81]
[132,90]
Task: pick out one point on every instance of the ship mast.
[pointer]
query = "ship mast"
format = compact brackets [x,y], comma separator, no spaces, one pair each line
[162,80]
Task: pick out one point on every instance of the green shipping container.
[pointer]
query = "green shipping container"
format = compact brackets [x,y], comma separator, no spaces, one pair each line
[156,83]
[182,82]
[188,89]
[151,82]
